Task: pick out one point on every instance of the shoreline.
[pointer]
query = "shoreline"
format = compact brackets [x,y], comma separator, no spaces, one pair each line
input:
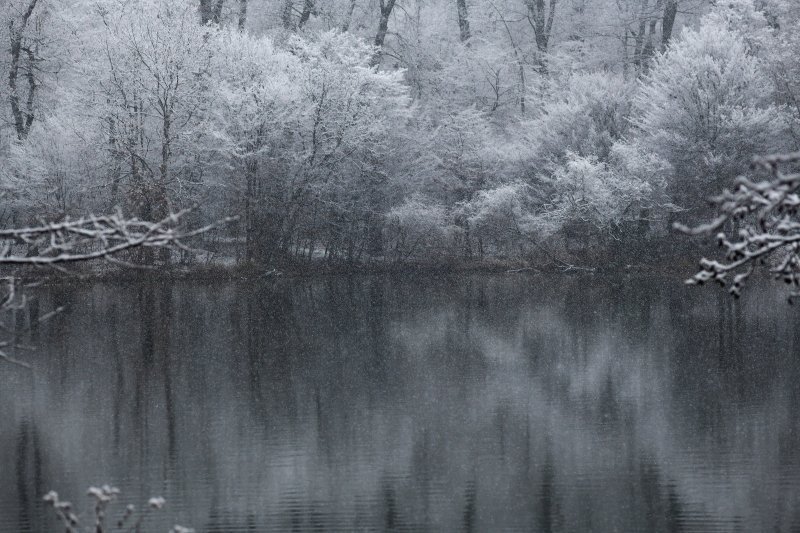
[678,268]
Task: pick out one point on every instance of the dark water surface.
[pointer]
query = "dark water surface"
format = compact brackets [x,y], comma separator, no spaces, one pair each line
[473,403]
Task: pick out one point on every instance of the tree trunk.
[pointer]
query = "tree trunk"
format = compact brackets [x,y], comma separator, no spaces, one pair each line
[639,43]
[668,22]
[211,11]
[541,21]
[625,65]
[250,238]
[23,119]
[467,241]
[463,20]
[649,48]
[114,151]
[308,9]
[242,14]
[286,15]
[349,16]
[166,146]
[383,27]
[205,12]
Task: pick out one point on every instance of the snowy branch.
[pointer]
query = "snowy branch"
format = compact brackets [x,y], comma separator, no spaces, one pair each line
[96,237]
[758,223]
[77,240]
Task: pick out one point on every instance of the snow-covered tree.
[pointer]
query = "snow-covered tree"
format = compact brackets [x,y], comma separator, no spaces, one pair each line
[502,219]
[584,115]
[311,126]
[597,195]
[707,107]
[418,229]
[256,87]
[149,64]
[350,113]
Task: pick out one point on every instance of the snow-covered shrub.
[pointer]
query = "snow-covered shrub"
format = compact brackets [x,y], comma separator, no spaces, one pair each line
[596,194]
[417,228]
[502,217]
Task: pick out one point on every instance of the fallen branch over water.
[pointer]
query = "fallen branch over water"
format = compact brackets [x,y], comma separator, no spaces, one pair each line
[97,237]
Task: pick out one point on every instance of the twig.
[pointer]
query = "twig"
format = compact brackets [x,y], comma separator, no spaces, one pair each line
[765,213]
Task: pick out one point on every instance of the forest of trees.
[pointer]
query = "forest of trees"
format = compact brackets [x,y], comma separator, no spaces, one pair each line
[409,131]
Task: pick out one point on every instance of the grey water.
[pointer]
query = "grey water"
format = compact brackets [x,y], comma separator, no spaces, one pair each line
[412,403]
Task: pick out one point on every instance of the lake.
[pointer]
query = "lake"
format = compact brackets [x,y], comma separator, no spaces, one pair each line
[413,403]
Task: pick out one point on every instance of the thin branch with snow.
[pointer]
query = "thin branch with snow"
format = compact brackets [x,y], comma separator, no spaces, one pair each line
[96,237]
[79,240]
[758,223]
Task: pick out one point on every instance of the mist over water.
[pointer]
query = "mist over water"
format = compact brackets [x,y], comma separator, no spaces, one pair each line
[415,403]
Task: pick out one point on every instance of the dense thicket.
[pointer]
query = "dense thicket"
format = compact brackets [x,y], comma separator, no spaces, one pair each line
[422,130]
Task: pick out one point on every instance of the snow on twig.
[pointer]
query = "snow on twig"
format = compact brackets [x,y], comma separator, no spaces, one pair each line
[97,237]
[758,222]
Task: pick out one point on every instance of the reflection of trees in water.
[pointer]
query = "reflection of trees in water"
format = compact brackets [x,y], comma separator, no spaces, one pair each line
[551,519]
[663,509]
[421,403]
[29,477]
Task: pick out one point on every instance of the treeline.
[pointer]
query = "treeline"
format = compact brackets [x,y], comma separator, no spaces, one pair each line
[427,131]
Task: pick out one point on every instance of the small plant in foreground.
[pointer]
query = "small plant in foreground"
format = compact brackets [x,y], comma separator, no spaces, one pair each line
[104,496]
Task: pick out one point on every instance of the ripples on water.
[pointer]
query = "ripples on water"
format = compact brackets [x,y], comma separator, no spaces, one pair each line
[414,404]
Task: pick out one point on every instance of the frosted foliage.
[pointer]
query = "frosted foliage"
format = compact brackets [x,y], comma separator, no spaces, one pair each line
[347,131]
[346,105]
[416,213]
[322,93]
[589,112]
[417,227]
[256,88]
[707,106]
[459,143]
[50,171]
[590,191]
[504,215]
